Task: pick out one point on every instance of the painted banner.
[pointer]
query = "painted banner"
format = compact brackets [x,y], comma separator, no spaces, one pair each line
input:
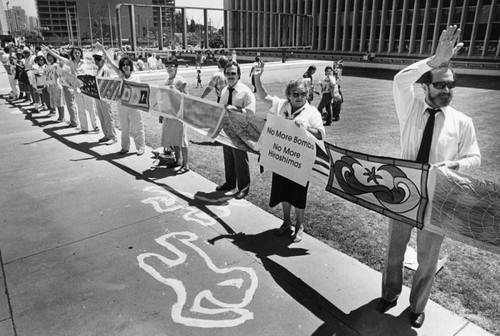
[109,88]
[241,131]
[195,115]
[287,149]
[89,86]
[204,116]
[68,79]
[464,208]
[136,95]
[393,187]
[166,101]
[439,200]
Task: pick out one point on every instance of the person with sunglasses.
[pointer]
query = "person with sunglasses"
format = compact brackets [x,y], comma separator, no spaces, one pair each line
[237,98]
[130,118]
[432,132]
[294,107]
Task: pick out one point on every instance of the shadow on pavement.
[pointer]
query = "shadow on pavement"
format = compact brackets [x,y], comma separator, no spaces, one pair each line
[86,147]
[365,320]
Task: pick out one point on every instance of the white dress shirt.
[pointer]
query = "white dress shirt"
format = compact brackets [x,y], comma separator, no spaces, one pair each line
[454,137]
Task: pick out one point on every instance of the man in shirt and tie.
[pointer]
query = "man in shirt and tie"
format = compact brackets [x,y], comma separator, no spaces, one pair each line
[431,132]
[237,98]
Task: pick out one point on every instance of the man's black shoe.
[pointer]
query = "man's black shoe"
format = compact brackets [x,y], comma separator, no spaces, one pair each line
[384,305]
[224,187]
[242,193]
[417,320]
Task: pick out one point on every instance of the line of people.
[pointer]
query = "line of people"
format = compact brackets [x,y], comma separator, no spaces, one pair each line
[432,132]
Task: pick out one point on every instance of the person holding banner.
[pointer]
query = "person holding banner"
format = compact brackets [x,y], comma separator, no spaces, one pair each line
[63,71]
[174,131]
[130,118]
[433,133]
[104,111]
[41,85]
[84,103]
[236,98]
[54,87]
[294,107]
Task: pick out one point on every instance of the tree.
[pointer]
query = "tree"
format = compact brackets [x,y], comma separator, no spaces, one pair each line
[192,26]
[216,40]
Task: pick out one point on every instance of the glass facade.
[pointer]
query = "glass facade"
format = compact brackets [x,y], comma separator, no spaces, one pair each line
[386,27]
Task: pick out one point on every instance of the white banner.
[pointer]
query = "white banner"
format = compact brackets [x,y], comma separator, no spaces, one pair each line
[287,149]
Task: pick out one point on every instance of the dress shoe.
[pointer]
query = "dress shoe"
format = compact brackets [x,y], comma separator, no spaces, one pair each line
[123,152]
[224,187]
[384,305]
[242,193]
[83,132]
[103,139]
[416,319]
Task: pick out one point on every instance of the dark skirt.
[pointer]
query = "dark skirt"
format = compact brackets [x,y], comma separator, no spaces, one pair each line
[285,190]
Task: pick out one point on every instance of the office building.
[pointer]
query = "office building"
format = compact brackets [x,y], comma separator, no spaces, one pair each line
[386,27]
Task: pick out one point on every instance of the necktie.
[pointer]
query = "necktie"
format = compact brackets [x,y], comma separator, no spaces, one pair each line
[230,99]
[425,145]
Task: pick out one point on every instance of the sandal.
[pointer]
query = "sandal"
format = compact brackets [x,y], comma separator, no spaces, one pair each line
[182,170]
[285,228]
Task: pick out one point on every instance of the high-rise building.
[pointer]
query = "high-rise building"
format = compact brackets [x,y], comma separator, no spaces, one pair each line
[96,19]
[4,25]
[17,19]
[58,20]
[387,27]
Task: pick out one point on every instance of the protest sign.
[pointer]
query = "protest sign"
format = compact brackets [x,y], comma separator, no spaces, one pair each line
[287,149]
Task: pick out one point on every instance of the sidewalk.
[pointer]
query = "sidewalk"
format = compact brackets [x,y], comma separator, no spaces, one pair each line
[93,243]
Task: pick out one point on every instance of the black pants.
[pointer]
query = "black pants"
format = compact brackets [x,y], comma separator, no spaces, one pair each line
[236,167]
[325,103]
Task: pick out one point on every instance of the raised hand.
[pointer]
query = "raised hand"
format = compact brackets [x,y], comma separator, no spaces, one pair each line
[447,46]
[257,72]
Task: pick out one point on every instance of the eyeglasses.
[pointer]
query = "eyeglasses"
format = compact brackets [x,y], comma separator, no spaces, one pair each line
[231,74]
[442,85]
[299,94]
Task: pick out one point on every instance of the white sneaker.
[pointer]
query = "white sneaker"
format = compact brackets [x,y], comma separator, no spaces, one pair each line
[111,141]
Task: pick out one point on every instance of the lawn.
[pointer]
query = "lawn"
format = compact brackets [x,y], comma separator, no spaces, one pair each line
[469,283]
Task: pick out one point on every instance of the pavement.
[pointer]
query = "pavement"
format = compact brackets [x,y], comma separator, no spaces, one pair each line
[94,243]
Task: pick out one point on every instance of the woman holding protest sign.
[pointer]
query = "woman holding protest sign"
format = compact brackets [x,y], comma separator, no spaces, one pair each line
[130,118]
[294,107]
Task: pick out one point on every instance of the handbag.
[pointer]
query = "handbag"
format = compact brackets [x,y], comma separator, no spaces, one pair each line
[165,159]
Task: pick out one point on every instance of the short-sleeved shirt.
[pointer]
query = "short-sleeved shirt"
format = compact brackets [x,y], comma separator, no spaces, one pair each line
[328,84]
[309,115]
[218,82]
